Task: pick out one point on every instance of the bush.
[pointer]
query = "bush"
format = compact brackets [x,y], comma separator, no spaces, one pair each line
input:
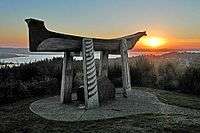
[142,72]
[115,72]
[190,80]
[48,87]
[30,80]
[11,90]
[44,77]
[167,77]
[16,90]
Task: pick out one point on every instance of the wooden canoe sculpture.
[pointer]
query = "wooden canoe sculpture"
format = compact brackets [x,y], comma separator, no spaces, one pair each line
[43,40]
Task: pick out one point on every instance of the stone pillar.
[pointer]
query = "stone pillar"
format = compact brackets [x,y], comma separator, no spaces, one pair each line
[67,78]
[103,64]
[90,79]
[125,67]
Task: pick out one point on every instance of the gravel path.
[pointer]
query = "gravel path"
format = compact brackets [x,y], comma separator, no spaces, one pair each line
[138,102]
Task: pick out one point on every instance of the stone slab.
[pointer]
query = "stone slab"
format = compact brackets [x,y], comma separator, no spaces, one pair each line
[138,102]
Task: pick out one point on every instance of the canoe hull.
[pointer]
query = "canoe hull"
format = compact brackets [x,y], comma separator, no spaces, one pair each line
[43,40]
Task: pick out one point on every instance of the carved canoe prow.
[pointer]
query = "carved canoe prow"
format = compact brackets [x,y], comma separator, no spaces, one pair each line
[41,39]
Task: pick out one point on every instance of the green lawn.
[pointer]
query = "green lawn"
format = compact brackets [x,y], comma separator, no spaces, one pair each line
[18,118]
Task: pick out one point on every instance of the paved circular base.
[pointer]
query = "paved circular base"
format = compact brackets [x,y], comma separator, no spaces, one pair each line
[137,102]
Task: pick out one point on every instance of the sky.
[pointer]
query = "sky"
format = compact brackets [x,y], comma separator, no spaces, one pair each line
[177,21]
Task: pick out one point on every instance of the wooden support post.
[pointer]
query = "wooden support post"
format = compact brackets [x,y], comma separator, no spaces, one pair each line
[103,64]
[67,78]
[125,67]
[90,79]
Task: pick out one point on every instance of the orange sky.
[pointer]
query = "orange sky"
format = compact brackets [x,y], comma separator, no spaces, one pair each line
[19,38]
[177,21]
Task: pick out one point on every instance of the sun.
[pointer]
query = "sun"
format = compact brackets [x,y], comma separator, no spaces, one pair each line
[153,42]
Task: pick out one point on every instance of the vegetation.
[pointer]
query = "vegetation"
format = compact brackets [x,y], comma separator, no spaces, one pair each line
[44,77]
[167,76]
[179,99]
[30,80]
[17,117]
[190,80]
[175,98]
[142,72]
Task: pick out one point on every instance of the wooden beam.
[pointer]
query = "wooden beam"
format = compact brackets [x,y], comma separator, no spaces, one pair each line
[125,67]
[90,79]
[103,64]
[67,78]
[43,40]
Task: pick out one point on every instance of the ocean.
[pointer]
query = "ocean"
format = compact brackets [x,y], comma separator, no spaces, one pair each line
[28,58]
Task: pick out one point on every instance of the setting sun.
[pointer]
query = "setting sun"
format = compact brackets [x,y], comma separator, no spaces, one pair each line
[153,42]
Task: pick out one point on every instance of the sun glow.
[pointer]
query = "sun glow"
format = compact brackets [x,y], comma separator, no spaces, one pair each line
[153,42]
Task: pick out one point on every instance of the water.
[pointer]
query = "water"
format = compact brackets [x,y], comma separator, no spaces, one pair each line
[33,58]
[28,58]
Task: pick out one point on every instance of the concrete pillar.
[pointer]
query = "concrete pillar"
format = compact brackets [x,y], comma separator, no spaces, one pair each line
[90,79]
[67,78]
[125,67]
[103,64]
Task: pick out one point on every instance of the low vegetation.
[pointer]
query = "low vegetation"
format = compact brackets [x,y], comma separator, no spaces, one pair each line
[44,77]
[17,117]
[174,98]
[30,80]
[22,85]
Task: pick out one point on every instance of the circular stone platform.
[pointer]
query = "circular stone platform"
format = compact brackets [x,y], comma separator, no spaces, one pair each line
[138,102]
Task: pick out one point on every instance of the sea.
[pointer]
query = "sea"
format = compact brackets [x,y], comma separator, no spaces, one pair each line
[28,58]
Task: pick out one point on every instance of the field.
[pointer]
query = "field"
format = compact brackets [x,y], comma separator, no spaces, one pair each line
[17,117]
[175,82]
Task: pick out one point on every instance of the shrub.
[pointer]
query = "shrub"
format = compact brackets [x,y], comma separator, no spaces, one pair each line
[115,72]
[11,90]
[16,90]
[48,87]
[142,72]
[190,80]
[30,80]
[167,77]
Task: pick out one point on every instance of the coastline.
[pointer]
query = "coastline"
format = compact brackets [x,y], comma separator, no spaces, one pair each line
[7,56]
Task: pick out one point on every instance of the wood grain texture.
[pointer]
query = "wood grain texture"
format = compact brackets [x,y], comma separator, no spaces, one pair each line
[41,39]
[125,67]
[67,78]
[103,64]
[90,78]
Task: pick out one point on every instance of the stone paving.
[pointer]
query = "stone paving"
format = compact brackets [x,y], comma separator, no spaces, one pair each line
[138,102]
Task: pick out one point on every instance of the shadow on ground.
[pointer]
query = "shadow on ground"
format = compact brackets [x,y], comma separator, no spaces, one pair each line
[18,118]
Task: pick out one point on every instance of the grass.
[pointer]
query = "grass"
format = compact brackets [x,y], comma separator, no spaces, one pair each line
[17,117]
[175,98]
[182,100]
